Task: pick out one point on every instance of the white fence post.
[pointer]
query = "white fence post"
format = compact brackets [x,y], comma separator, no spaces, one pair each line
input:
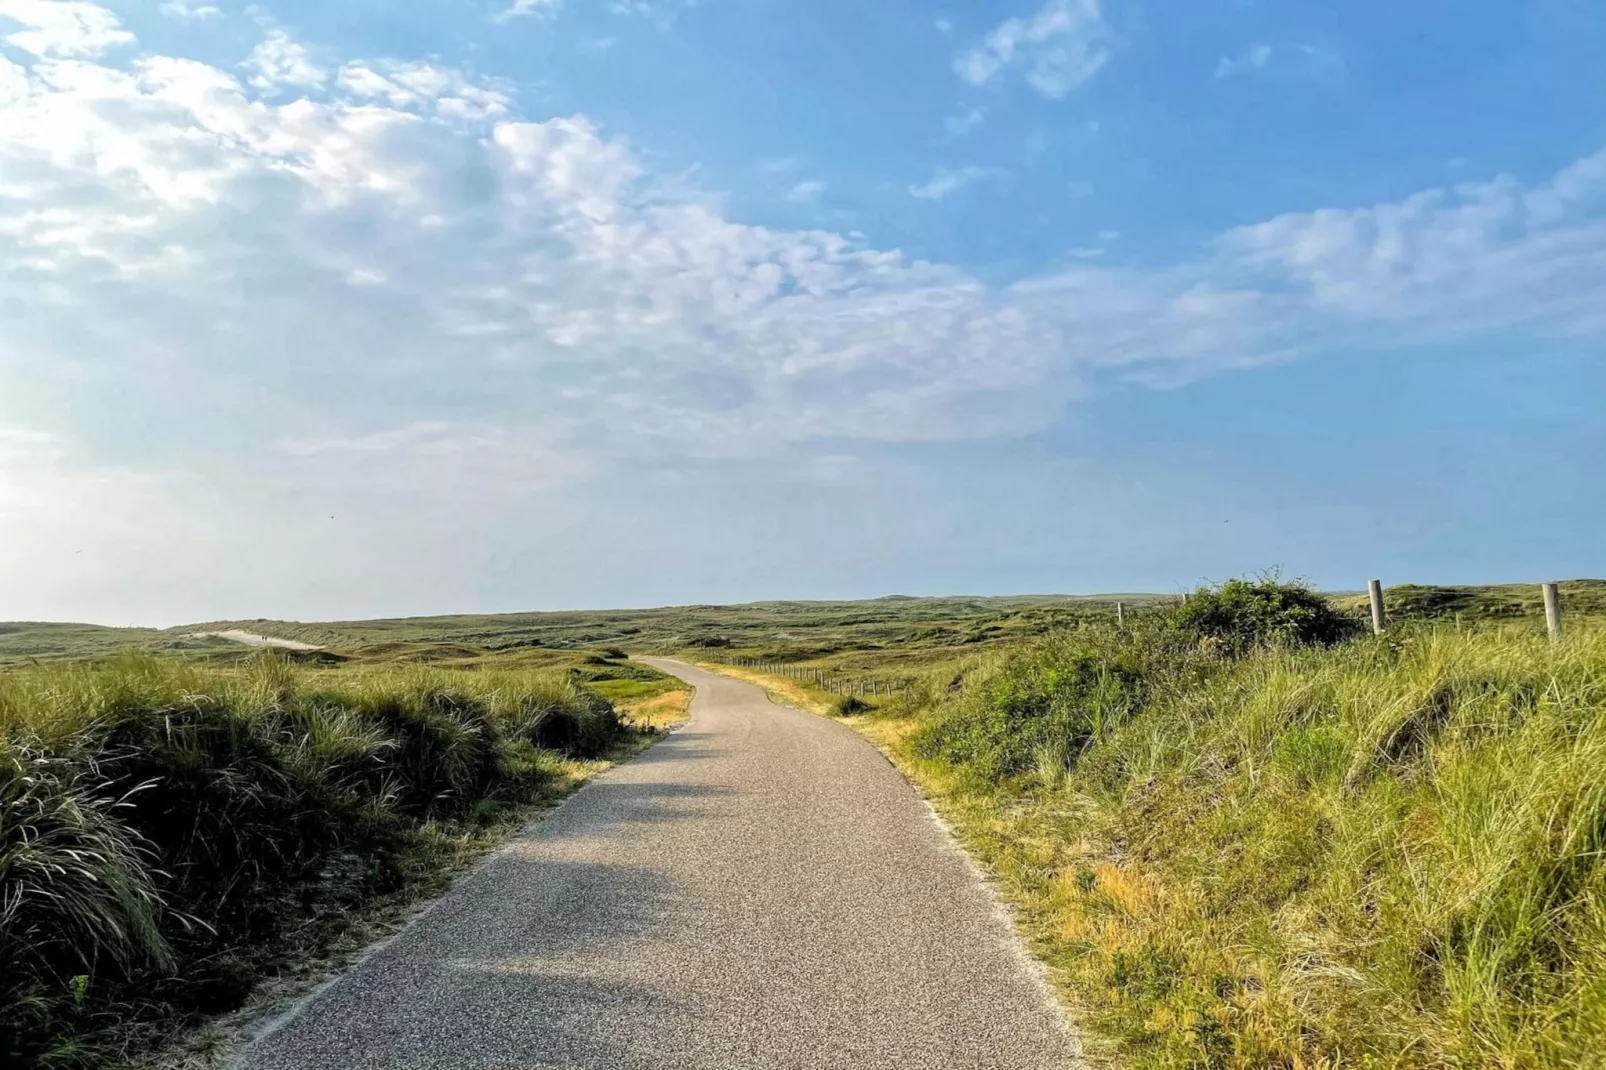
[1552,610]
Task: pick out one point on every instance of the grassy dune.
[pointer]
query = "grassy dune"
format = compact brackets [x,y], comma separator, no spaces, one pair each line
[173,833]
[1374,852]
[1241,833]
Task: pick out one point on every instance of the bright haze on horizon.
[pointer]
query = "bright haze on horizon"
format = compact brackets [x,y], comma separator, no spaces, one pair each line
[348,308]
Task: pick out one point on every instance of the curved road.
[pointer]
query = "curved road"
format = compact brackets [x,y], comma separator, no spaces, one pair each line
[761,889]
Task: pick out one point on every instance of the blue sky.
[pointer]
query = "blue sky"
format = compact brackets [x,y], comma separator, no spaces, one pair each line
[360,308]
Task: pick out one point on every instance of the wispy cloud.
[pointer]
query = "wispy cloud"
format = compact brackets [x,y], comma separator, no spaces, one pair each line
[1305,60]
[807,191]
[281,61]
[1066,43]
[1253,58]
[525,8]
[946,181]
[63,27]
[965,120]
[190,11]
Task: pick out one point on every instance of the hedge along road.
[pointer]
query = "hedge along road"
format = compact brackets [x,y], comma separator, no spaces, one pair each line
[761,889]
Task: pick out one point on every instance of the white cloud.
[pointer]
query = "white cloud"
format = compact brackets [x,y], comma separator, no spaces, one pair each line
[1254,57]
[443,90]
[63,27]
[404,302]
[190,11]
[807,191]
[1300,60]
[965,120]
[281,61]
[523,8]
[946,181]
[1066,43]
[1446,261]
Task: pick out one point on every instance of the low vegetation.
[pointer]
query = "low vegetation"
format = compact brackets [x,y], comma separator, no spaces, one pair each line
[1241,839]
[172,833]
[1241,830]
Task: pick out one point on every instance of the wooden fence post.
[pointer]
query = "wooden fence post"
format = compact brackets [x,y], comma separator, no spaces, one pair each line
[1120,615]
[1552,610]
[1379,621]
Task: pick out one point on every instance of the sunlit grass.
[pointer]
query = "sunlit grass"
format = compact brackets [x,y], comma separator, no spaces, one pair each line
[1388,852]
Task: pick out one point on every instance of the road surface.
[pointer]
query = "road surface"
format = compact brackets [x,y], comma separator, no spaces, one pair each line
[234,635]
[761,889]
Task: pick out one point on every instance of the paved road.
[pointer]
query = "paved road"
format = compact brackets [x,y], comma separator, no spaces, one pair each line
[761,889]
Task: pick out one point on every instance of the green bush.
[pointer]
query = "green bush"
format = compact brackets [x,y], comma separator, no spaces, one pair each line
[1036,710]
[1241,614]
[165,829]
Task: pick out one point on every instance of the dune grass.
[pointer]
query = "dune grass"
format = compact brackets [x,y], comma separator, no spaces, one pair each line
[173,833]
[1241,834]
[1387,852]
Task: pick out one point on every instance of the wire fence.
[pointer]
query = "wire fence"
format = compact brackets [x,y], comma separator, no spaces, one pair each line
[862,686]
[875,686]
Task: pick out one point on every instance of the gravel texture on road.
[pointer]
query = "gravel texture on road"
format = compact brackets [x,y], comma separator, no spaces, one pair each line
[761,889]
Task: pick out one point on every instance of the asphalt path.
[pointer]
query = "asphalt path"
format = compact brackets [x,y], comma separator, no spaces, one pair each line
[761,889]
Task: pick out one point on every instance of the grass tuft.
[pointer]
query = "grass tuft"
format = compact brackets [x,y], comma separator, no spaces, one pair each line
[1380,852]
[169,831]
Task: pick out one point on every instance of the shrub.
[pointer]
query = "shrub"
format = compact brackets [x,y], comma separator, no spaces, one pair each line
[848,705]
[1044,702]
[1241,614]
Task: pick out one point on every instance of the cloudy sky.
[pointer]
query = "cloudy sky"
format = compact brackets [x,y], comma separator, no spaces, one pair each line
[351,307]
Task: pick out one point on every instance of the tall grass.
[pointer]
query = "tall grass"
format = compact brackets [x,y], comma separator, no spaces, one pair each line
[166,829]
[1381,852]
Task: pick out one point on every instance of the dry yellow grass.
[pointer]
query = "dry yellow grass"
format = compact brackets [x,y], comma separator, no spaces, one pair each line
[782,689]
[660,712]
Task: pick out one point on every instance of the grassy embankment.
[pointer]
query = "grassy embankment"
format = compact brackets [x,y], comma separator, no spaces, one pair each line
[1240,840]
[176,835]
[882,622]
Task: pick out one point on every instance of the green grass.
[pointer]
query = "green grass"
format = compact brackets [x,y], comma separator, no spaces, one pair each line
[1387,852]
[1508,601]
[824,626]
[173,833]
[1376,853]
[791,630]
